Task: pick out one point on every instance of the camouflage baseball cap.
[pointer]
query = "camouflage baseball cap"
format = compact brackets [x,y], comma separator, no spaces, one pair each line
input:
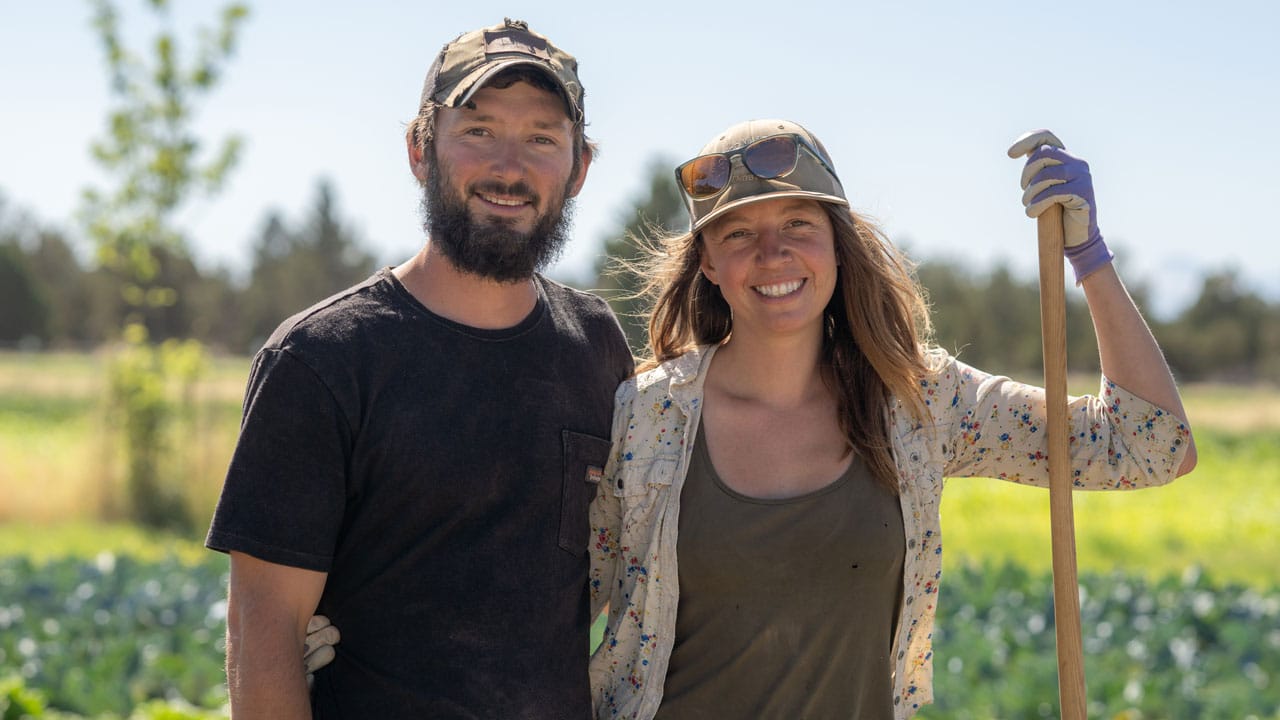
[473,58]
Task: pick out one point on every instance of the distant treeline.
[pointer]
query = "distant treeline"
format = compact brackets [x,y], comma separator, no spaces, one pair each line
[50,298]
[1228,333]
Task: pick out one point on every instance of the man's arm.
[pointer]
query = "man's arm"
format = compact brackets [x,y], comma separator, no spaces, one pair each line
[268,607]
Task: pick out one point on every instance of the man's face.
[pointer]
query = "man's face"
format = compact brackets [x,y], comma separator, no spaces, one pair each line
[498,189]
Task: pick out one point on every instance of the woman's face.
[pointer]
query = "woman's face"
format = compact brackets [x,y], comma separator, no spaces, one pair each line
[775,263]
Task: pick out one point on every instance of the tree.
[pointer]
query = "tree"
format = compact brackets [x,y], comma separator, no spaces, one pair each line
[65,285]
[25,316]
[294,269]
[23,307]
[1228,333]
[660,210]
[154,156]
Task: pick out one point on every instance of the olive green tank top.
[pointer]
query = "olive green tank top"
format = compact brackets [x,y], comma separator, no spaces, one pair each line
[787,607]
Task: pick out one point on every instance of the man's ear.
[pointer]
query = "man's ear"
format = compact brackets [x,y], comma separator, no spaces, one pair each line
[582,171]
[417,158]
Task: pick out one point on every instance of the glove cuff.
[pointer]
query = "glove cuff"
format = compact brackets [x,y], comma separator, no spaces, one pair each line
[1088,257]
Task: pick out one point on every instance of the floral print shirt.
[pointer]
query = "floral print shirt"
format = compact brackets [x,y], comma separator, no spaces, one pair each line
[977,425]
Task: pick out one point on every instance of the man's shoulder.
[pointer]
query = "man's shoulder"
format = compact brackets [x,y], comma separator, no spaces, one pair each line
[589,319]
[571,299]
[332,321]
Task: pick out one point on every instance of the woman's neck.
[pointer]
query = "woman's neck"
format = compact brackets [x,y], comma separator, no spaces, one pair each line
[779,371]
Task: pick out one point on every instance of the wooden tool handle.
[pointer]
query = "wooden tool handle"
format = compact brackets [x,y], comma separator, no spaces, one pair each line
[1066,591]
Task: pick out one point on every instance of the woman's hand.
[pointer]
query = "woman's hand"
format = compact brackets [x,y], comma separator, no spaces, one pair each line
[318,650]
[1052,176]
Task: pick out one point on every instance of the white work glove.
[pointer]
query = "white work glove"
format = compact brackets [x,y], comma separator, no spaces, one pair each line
[317,650]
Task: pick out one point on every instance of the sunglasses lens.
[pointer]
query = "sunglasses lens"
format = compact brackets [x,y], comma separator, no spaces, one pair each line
[772,157]
[705,176]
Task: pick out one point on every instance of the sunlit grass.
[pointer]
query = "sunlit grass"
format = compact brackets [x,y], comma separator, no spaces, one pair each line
[1223,517]
[61,457]
[43,542]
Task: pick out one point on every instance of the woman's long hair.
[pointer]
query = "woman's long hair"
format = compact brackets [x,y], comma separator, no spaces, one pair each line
[876,327]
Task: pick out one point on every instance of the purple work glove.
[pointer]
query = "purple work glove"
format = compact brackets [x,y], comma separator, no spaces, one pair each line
[1054,176]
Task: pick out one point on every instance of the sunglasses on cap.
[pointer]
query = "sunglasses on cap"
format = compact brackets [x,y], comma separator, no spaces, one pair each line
[767,158]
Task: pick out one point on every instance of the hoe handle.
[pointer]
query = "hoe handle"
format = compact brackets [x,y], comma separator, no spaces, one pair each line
[1066,592]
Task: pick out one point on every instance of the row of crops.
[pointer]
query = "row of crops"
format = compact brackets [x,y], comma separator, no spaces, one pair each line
[114,636]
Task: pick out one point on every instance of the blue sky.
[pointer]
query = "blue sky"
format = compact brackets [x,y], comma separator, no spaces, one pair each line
[1175,105]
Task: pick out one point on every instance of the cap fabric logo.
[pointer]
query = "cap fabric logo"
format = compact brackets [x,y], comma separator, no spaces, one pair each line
[515,41]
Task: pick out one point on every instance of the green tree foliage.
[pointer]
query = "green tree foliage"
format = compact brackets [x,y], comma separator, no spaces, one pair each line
[26,312]
[296,268]
[1228,333]
[992,320]
[153,155]
[658,210]
[68,289]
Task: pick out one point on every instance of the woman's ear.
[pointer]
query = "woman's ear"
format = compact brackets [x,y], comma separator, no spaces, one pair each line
[708,269]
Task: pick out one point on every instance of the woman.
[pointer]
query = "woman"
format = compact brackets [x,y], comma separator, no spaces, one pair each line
[767,537]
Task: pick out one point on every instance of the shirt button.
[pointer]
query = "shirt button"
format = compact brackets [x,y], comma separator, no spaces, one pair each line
[619,483]
[911,543]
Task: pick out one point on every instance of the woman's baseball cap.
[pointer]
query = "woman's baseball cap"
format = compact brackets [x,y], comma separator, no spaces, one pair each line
[757,160]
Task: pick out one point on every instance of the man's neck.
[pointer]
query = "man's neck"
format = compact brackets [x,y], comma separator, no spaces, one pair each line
[465,298]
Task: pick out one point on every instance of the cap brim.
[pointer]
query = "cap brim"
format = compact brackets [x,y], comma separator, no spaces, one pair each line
[803,194]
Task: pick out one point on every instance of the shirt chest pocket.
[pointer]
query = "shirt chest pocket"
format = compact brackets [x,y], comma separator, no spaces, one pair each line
[584,459]
[921,457]
[642,487]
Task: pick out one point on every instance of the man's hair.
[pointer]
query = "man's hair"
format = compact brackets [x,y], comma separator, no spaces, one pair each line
[422,129]
[876,326]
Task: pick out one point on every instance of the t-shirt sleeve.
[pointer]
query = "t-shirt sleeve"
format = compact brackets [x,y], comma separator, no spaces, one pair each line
[285,490]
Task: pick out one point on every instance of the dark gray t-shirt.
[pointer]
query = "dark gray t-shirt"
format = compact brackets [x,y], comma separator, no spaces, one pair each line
[787,607]
[440,474]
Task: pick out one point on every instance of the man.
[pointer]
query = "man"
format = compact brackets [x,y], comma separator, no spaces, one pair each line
[418,452]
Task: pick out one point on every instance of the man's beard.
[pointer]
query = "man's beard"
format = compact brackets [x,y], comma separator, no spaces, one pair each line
[493,248]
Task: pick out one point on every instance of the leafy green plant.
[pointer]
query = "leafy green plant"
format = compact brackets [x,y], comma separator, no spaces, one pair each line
[18,702]
[1179,647]
[115,634]
[112,633]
